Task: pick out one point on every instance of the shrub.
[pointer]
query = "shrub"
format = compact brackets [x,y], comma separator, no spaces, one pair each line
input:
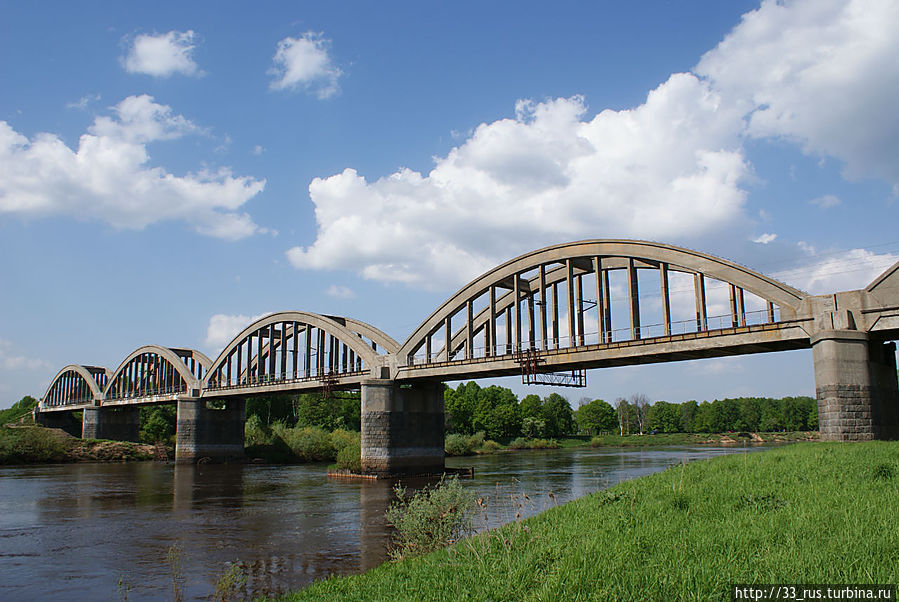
[462,445]
[309,443]
[432,518]
[341,439]
[255,433]
[350,457]
[32,444]
[490,446]
[522,443]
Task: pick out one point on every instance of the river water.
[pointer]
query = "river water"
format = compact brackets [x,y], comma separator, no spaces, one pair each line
[105,531]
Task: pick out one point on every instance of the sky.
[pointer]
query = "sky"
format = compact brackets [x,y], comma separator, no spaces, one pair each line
[170,171]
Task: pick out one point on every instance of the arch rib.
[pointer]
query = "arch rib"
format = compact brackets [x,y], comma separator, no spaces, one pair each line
[190,365]
[89,375]
[577,258]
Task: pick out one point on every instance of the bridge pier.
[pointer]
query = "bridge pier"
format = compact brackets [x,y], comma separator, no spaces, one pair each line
[63,421]
[856,386]
[203,432]
[116,424]
[402,428]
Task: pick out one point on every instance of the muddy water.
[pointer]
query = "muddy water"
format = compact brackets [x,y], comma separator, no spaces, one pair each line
[104,531]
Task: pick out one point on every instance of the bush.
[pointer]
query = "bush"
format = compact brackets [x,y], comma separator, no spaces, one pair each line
[350,457]
[32,444]
[490,446]
[462,445]
[255,433]
[309,443]
[522,443]
[432,518]
[341,439]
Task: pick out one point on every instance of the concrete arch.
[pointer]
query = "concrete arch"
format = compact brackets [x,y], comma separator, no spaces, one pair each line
[346,334]
[380,338]
[86,373]
[615,254]
[174,357]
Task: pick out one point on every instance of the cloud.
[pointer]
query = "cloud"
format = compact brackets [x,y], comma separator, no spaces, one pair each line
[842,271]
[765,238]
[108,177]
[258,150]
[822,73]
[304,63]
[340,292]
[223,328]
[83,102]
[669,169]
[826,202]
[162,55]
[10,361]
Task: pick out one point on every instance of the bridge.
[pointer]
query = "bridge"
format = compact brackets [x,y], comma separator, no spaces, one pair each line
[549,316]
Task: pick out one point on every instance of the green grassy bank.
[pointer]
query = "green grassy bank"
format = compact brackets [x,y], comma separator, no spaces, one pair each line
[806,513]
[36,445]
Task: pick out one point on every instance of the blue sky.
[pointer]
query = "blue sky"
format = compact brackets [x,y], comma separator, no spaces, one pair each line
[169,171]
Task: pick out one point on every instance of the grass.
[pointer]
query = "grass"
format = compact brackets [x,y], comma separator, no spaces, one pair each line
[37,445]
[804,513]
[696,439]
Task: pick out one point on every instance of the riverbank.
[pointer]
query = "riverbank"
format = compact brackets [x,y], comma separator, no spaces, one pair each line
[804,513]
[39,445]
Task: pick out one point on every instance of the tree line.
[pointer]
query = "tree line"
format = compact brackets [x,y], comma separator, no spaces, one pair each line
[498,412]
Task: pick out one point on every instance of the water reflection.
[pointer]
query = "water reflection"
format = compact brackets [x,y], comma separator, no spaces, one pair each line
[75,531]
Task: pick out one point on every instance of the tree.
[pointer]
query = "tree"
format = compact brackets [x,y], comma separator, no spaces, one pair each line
[688,416]
[596,417]
[640,403]
[157,423]
[664,417]
[460,407]
[558,416]
[623,409]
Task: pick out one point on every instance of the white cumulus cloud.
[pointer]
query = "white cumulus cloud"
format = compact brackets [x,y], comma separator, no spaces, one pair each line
[822,73]
[108,177]
[765,238]
[162,55]
[304,63]
[822,274]
[224,327]
[10,360]
[825,202]
[668,169]
[340,292]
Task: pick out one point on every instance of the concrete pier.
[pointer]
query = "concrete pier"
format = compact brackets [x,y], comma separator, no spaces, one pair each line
[119,424]
[402,428]
[216,434]
[856,386]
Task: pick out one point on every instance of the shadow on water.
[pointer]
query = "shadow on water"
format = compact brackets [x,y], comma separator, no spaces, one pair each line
[86,531]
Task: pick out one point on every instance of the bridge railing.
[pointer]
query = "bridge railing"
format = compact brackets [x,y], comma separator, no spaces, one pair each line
[68,402]
[148,392]
[256,380]
[646,332]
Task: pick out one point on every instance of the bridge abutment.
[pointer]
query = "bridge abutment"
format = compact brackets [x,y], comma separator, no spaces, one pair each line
[116,424]
[402,428]
[63,421]
[204,432]
[856,386]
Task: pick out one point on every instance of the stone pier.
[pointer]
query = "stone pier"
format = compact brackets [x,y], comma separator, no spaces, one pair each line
[402,428]
[116,424]
[856,386]
[204,432]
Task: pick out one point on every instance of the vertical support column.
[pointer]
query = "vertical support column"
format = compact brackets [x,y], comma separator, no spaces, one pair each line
[741,308]
[666,303]
[699,289]
[634,295]
[734,321]
[491,344]
[516,310]
[469,330]
[555,315]
[296,349]
[448,340]
[848,385]
[428,349]
[770,312]
[569,280]
[532,335]
[508,330]
[544,344]
[402,428]
[206,433]
[116,424]
[579,293]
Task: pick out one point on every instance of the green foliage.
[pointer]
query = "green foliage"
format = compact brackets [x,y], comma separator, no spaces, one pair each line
[350,457]
[532,426]
[523,443]
[32,444]
[339,411]
[432,518]
[308,443]
[464,445]
[819,511]
[596,417]
[664,417]
[157,423]
[21,408]
[272,408]
[230,584]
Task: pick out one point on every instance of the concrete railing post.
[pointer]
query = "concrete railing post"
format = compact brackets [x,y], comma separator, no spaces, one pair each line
[216,434]
[402,428]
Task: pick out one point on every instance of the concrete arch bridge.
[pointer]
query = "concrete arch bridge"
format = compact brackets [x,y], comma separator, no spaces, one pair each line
[548,316]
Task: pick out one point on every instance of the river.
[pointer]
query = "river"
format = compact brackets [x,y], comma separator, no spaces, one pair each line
[104,531]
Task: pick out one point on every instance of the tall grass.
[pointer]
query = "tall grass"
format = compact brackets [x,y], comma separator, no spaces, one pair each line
[806,513]
[33,444]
